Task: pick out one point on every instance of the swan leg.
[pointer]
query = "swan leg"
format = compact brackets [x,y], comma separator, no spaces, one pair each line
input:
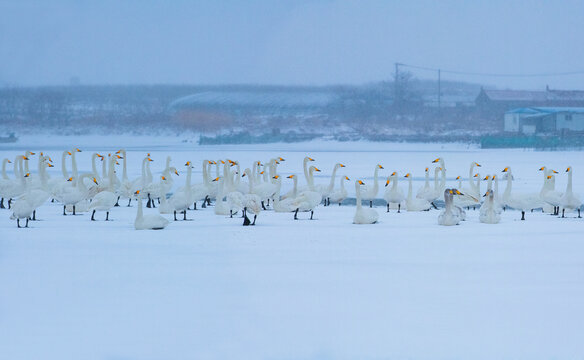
[311,213]
[296,214]
[148,202]
[563,211]
[153,206]
[184,214]
[254,219]
[26,223]
[64,207]
[579,217]
[9,203]
[2,204]
[522,215]
[129,201]
[339,203]
[18,223]
[370,203]
[435,207]
[231,214]
[34,215]
[263,206]
[93,215]
[246,221]
[107,216]
[268,201]
[204,203]
[117,202]
[387,207]
[398,208]
[74,210]
[195,206]
[175,215]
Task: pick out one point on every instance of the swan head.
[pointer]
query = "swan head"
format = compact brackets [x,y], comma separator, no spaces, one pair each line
[489,192]
[27,175]
[360,182]
[316,169]
[25,157]
[10,162]
[281,158]
[341,165]
[387,182]
[541,168]
[436,160]
[476,175]
[137,192]
[95,181]
[569,169]
[347,178]
[507,169]
[77,150]
[486,177]
[276,177]
[188,163]
[176,172]
[216,179]
[119,151]
[427,170]
[379,166]
[549,177]
[555,172]
[50,165]
[408,175]
[70,179]
[119,157]
[308,158]
[149,159]
[394,173]
[163,177]
[290,177]
[68,152]
[458,177]
[477,164]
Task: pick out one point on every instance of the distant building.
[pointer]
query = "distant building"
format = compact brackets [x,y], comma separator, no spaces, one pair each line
[494,103]
[534,120]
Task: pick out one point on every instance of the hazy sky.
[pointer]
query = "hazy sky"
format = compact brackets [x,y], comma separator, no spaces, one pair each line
[287,42]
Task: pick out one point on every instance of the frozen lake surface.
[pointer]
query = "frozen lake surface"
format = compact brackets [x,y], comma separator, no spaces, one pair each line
[405,288]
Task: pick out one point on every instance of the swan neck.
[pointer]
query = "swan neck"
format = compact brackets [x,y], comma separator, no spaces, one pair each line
[64,165]
[358,196]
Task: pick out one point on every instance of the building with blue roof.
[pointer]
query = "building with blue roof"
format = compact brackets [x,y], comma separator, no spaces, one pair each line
[544,120]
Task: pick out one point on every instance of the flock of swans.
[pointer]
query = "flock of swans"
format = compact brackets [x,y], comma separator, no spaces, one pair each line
[258,188]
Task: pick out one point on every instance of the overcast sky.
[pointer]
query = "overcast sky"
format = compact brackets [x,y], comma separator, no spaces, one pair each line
[287,42]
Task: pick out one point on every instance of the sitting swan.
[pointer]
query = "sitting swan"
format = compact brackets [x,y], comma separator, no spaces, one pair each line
[150,221]
[449,216]
[489,213]
[363,215]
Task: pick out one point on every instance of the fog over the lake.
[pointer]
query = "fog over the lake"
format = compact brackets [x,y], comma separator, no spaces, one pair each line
[287,42]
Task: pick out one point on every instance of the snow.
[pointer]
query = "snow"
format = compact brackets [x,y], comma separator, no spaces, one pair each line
[209,288]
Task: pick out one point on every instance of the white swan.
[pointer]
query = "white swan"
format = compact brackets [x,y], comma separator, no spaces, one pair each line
[570,201]
[425,191]
[183,198]
[522,202]
[126,187]
[449,215]
[22,208]
[74,194]
[105,200]
[326,191]
[307,200]
[363,215]
[337,196]
[251,201]
[412,203]
[286,205]
[5,183]
[150,221]
[393,194]
[548,192]
[369,194]
[489,213]
[221,206]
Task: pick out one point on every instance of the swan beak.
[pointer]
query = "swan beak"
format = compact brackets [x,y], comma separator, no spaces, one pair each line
[435,161]
[27,175]
[479,165]
[137,192]
[163,178]
[32,153]
[542,168]
[95,181]
[381,167]
[176,172]
[70,179]
[290,177]
[119,151]
[555,172]
[51,165]
[216,179]
[10,162]
[426,170]
[393,173]
[568,169]
[361,182]
[407,175]
[120,157]
[275,177]
[281,159]
[486,177]
[188,163]
[505,169]
[342,165]
[386,183]
[25,158]
[243,175]
[549,177]
[68,152]
[310,159]
[346,177]
[458,178]
[78,150]
[150,159]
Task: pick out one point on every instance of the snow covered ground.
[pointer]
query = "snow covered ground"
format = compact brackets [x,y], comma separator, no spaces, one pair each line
[209,288]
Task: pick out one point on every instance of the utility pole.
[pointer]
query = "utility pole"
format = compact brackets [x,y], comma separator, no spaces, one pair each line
[439,92]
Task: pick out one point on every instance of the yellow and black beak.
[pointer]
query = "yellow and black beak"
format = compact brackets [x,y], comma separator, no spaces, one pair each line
[290,177]
[361,182]
[341,165]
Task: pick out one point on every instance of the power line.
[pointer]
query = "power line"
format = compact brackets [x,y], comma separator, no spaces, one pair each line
[492,74]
